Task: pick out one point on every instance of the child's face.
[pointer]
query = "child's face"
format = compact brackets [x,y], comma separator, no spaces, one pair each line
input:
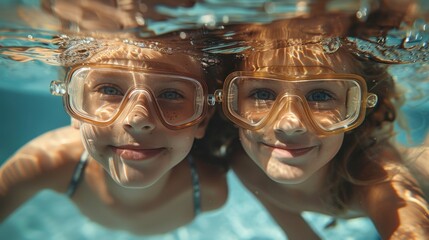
[138,148]
[287,147]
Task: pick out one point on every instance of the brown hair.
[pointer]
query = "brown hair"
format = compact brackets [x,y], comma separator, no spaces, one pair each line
[354,164]
[220,137]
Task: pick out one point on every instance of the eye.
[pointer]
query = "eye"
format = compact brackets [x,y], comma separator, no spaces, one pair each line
[170,95]
[109,90]
[263,94]
[320,96]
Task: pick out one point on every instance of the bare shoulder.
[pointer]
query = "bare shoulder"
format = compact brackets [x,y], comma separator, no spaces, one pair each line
[45,162]
[45,157]
[214,188]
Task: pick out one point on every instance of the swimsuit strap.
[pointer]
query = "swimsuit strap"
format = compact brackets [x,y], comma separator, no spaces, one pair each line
[77,174]
[195,186]
[80,167]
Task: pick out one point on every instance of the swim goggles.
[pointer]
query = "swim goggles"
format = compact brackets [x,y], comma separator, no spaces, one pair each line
[99,94]
[329,103]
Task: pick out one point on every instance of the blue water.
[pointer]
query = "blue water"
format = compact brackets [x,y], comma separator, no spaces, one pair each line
[26,106]
[413,81]
[28,110]
[52,216]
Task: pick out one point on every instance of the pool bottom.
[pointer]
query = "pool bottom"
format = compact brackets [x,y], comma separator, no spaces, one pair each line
[52,216]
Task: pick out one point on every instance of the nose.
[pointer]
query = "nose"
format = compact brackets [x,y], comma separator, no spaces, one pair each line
[290,125]
[139,119]
[289,120]
[138,115]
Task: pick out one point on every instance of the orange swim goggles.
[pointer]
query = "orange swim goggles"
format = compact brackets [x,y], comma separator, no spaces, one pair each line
[330,103]
[99,94]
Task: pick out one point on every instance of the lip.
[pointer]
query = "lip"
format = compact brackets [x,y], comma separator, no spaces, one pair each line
[136,153]
[283,151]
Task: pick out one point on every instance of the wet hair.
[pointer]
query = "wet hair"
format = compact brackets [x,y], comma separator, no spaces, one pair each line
[355,163]
[220,137]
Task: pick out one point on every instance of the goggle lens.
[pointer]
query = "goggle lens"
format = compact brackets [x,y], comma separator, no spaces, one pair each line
[99,94]
[329,104]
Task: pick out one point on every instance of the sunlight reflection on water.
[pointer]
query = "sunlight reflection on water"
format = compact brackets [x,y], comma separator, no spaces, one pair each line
[29,61]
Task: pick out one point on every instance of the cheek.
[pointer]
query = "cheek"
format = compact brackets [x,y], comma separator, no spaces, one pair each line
[181,140]
[249,139]
[95,139]
[246,137]
[331,145]
[97,134]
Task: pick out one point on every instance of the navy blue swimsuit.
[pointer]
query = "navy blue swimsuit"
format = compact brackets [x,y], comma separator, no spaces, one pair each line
[80,168]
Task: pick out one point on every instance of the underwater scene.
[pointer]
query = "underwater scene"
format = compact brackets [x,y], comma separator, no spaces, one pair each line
[214,119]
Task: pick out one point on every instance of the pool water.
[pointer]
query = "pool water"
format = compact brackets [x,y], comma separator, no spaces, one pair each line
[52,216]
[28,110]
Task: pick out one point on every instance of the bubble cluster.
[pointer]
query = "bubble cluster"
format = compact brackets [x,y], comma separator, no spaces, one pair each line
[406,45]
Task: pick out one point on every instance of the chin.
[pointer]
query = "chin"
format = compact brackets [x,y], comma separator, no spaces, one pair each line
[133,179]
[287,175]
[136,185]
[288,180]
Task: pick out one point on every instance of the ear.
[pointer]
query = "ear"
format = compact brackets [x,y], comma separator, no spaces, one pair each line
[202,126]
[75,123]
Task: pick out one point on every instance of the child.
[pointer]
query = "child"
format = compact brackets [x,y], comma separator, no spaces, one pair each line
[138,111]
[314,123]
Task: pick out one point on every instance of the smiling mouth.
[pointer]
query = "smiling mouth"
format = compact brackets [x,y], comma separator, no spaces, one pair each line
[286,152]
[136,154]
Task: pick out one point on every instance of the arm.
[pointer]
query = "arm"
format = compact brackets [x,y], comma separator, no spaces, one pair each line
[416,158]
[396,206]
[45,162]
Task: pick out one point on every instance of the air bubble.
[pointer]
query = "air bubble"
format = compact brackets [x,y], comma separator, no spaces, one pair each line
[331,45]
[139,19]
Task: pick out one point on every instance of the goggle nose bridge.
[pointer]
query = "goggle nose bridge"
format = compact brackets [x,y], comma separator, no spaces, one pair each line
[286,99]
[131,101]
[287,102]
[135,95]
[138,91]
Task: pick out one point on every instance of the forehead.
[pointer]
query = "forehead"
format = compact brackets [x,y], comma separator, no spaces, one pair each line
[149,59]
[300,60]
